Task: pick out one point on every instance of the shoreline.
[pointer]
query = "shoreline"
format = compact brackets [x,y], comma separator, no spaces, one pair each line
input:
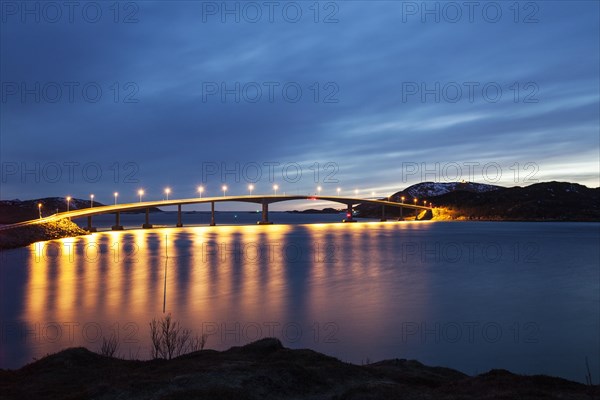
[265,369]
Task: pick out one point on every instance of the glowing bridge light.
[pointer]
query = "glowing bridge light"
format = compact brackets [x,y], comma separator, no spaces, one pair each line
[200,190]
[224,188]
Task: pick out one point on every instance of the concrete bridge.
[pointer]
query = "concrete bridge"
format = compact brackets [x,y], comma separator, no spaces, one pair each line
[264,200]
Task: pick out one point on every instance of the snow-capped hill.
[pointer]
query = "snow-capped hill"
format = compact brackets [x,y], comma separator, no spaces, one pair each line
[431,189]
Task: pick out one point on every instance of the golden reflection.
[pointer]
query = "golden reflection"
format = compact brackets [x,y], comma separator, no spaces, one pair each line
[219,275]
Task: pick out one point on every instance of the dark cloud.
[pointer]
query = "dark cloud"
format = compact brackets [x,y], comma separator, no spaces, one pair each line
[353,111]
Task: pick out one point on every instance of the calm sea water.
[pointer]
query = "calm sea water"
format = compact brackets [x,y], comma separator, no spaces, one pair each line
[466,295]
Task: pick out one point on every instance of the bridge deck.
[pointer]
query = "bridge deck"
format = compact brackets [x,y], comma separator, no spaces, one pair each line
[259,199]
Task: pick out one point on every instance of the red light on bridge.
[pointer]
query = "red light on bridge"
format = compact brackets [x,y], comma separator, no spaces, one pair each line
[348,215]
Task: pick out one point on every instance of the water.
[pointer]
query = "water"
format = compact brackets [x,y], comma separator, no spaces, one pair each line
[466,295]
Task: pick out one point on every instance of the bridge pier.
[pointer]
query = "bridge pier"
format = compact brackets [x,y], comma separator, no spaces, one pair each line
[383,214]
[90,228]
[349,215]
[147,224]
[265,214]
[212,213]
[117,226]
[179,224]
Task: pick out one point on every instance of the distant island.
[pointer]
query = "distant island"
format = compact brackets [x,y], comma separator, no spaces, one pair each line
[327,210]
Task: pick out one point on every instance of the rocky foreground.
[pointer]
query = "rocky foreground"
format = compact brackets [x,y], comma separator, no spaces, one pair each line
[25,235]
[266,370]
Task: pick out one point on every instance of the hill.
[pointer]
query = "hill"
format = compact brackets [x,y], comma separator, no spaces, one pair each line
[266,370]
[547,201]
[12,211]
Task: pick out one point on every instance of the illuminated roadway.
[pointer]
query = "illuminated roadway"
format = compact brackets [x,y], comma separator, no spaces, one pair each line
[264,200]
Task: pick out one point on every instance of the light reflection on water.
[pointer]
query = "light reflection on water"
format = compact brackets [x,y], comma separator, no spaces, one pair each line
[471,296]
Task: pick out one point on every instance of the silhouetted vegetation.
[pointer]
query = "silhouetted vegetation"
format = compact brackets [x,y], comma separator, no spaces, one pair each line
[170,339]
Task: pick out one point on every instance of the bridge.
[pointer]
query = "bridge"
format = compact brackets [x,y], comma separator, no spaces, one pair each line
[264,200]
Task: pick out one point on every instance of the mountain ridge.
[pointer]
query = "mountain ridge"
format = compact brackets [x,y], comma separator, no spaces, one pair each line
[544,201]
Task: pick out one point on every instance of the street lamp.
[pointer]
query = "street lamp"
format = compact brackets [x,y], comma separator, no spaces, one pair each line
[40,209]
[338,191]
[91,200]
[356,192]
[275,187]
[116,195]
[425,203]
[416,209]
[402,198]
[319,190]
[200,190]
[68,201]
[141,193]
[250,189]
[167,191]
[224,189]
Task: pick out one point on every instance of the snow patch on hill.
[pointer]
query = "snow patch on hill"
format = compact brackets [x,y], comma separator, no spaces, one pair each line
[432,189]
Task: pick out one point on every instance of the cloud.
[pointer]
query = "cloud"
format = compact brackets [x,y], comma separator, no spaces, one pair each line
[353,111]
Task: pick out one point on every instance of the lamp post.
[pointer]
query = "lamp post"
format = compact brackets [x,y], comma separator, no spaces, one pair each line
[68,201]
[356,192]
[338,191]
[167,191]
[141,193]
[275,187]
[319,188]
[250,189]
[40,209]
[91,200]
[200,190]
[416,211]
[224,189]
[116,195]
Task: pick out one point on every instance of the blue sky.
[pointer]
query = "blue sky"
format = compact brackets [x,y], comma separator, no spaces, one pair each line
[374,95]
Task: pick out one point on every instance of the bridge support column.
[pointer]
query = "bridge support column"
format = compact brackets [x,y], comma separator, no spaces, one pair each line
[179,224]
[90,228]
[349,215]
[383,214]
[212,213]
[401,216]
[117,226]
[147,225]
[265,214]
[416,214]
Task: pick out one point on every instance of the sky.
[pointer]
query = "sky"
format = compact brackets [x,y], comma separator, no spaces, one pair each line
[368,96]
